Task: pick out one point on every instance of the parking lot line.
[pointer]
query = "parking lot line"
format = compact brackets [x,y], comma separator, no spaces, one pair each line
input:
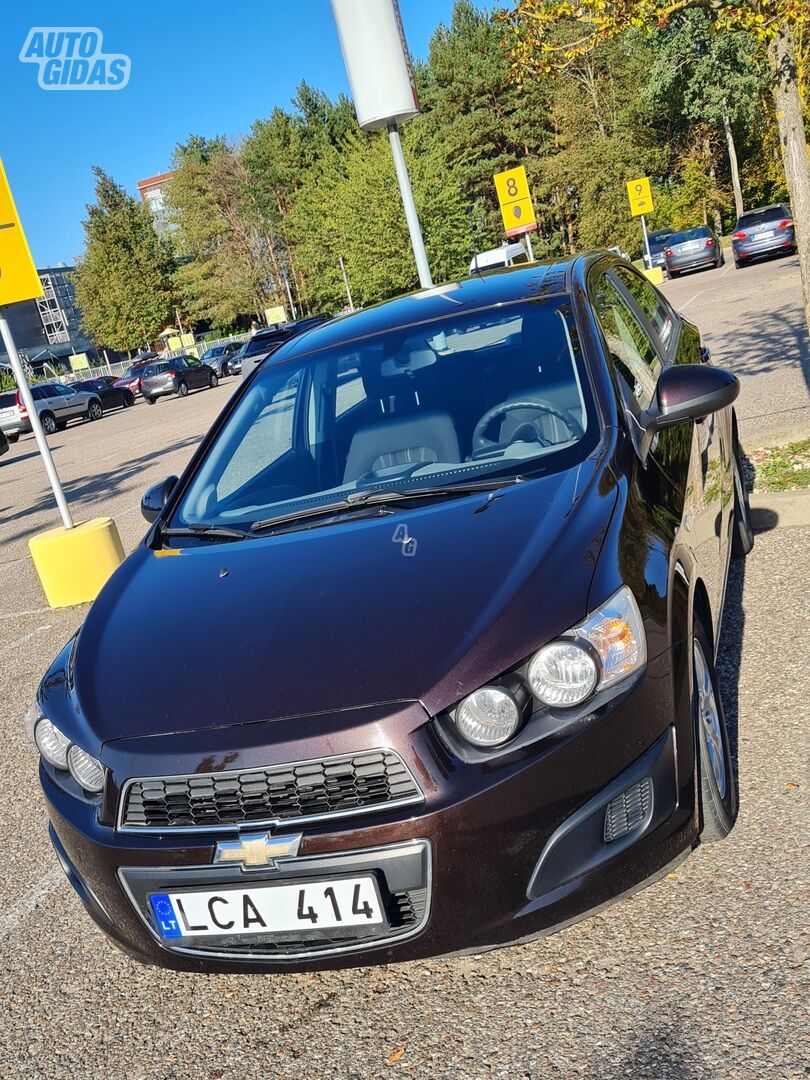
[31,901]
[21,641]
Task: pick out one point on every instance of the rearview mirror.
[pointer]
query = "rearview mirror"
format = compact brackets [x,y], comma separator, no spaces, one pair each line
[156,497]
[689,392]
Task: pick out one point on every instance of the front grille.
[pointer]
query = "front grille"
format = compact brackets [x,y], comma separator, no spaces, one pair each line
[296,792]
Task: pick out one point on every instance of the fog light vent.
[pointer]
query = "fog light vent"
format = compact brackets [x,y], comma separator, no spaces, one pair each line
[628,810]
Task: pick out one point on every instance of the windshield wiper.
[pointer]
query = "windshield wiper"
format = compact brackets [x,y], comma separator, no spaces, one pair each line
[359,500]
[206,532]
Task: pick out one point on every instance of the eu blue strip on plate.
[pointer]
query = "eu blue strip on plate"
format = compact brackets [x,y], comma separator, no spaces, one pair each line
[165,916]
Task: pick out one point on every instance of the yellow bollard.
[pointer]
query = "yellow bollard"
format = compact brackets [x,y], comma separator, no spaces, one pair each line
[74,564]
[656,275]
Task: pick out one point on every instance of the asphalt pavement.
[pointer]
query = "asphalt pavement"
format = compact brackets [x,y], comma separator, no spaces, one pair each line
[701,977]
[753,321]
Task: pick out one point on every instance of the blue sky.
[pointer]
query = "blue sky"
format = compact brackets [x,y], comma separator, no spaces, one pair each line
[204,67]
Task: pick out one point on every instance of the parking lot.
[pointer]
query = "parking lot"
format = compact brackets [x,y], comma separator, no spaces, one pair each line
[701,977]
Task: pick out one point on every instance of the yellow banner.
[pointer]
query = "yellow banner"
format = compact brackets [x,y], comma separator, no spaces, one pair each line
[640,196]
[19,279]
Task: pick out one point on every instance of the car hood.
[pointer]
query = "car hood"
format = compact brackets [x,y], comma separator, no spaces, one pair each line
[420,604]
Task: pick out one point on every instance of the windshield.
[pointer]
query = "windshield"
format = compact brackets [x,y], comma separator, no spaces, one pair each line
[154,369]
[689,234]
[659,240]
[215,351]
[496,393]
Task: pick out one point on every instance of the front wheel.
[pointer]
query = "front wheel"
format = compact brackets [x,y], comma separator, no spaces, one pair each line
[182,389]
[718,791]
[213,380]
[95,411]
[129,399]
[742,532]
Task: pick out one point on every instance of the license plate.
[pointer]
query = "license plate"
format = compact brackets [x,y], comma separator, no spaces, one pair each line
[764,235]
[305,907]
[692,245]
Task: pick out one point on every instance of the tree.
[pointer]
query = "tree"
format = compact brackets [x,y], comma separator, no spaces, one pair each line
[124,276]
[228,265]
[537,48]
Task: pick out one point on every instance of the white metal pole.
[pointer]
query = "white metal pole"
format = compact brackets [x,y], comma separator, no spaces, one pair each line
[405,190]
[293,312]
[346,282]
[33,416]
[529,246]
[646,241]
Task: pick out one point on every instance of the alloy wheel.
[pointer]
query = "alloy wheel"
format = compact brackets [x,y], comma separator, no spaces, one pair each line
[709,719]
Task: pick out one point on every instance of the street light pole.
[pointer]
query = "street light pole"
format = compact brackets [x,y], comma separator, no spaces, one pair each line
[646,241]
[33,416]
[405,190]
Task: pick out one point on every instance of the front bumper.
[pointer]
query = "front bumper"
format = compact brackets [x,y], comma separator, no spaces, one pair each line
[495,855]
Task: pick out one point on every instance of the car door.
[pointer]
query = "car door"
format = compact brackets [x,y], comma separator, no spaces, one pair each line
[692,456]
[73,402]
[49,400]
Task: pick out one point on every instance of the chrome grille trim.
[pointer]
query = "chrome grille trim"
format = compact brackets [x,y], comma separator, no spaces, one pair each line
[411,794]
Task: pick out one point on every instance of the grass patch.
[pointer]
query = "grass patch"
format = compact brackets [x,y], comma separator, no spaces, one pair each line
[782,468]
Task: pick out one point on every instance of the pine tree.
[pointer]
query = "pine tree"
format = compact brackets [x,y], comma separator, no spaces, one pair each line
[124,277]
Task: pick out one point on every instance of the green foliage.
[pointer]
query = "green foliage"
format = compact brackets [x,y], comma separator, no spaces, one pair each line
[124,277]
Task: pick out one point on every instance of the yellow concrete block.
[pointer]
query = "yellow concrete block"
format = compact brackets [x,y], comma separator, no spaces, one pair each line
[73,564]
[656,275]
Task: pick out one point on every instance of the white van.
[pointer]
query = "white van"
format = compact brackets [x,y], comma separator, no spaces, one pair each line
[505,255]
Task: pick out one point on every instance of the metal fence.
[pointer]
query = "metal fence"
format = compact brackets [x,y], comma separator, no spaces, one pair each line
[119,369]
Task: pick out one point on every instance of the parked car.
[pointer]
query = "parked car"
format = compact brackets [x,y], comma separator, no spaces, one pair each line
[111,395]
[176,376]
[265,342]
[621,253]
[219,356]
[477,553]
[499,257]
[235,360]
[767,230]
[131,379]
[56,405]
[658,241]
[692,249]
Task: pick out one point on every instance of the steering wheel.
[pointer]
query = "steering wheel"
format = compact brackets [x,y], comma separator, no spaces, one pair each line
[481,443]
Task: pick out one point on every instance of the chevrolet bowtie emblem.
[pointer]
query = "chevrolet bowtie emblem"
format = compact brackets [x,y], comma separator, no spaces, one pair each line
[258,850]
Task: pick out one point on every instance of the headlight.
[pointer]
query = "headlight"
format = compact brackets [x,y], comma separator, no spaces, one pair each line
[562,673]
[617,633]
[51,743]
[489,716]
[85,769]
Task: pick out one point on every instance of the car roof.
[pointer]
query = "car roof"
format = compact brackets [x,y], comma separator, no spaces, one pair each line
[480,290]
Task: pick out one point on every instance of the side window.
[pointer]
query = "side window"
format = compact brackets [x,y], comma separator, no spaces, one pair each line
[632,351]
[653,305]
[37,394]
[518,259]
[350,389]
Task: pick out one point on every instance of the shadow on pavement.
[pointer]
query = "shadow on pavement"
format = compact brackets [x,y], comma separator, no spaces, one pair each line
[88,488]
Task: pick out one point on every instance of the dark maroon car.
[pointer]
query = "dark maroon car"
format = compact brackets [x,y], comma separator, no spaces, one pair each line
[471,546]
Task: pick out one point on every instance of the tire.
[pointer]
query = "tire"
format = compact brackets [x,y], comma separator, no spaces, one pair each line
[129,399]
[225,371]
[95,410]
[48,421]
[61,425]
[13,438]
[182,389]
[738,264]
[674,273]
[718,787]
[213,380]
[742,532]
[149,400]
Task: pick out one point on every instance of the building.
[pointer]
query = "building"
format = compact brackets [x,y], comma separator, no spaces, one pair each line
[49,328]
[152,192]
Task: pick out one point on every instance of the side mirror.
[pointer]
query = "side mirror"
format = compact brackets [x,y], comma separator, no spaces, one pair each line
[689,392]
[156,497]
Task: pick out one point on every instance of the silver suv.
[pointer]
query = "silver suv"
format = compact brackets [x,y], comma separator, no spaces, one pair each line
[56,405]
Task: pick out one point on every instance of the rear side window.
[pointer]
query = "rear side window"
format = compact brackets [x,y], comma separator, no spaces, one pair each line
[631,349]
[651,302]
